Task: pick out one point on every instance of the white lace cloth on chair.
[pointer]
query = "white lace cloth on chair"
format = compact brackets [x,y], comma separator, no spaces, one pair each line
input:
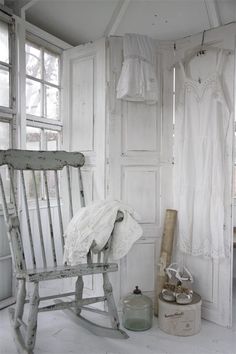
[91,227]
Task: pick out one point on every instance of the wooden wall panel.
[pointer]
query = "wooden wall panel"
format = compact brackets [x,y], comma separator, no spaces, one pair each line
[134,161]
[204,276]
[82,82]
[140,132]
[140,266]
[140,190]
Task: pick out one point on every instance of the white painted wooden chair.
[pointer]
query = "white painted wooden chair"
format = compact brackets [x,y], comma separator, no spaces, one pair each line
[19,162]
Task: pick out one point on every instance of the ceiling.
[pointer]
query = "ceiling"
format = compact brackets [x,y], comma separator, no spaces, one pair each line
[81,21]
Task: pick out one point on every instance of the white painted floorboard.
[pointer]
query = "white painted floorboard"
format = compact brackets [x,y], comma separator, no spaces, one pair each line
[57,334]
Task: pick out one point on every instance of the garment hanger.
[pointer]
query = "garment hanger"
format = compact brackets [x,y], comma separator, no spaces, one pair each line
[201,50]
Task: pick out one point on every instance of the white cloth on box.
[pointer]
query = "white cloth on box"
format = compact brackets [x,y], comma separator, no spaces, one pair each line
[138,81]
[91,228]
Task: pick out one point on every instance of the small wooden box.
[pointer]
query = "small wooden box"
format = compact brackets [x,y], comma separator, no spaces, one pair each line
[180,320]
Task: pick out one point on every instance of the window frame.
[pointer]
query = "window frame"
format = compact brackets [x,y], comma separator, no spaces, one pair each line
[8,114]
[42,121]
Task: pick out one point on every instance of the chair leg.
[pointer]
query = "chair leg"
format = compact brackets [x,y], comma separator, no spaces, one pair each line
[112,310]
[20,302]
[32,320]
[79,285]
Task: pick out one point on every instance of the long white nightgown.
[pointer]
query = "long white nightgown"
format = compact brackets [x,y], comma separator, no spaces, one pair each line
[202,122]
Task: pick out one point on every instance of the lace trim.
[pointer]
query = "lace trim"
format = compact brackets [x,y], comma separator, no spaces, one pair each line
[207,252]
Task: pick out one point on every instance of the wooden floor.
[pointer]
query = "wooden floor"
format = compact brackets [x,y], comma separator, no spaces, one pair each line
[58,334]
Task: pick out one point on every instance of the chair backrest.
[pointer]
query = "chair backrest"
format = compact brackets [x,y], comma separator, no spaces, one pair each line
[38,167]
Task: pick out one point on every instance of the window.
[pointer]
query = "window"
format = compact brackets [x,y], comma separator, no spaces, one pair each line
[7,90]
[5,65]
[7,123]
[44,126]
[42,83]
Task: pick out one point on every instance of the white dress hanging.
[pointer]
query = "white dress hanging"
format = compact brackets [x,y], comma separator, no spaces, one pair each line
[138,80]
[201,127]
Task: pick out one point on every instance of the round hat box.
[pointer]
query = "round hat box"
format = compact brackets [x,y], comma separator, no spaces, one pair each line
[180,320]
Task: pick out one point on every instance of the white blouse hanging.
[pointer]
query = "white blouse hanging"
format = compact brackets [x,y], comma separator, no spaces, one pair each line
[138,80]
[200,173]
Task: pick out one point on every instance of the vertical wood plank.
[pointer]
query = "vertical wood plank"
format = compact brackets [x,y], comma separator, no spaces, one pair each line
[13,194]
[59,208]
[32,320]
[28,219]
[79,285]
[39,221]
[69,191]
[81,189]
[50,219]
[20,302]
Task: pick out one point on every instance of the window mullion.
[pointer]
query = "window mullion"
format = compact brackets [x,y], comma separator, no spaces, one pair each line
[42,81]
[12,69]
[43,147]
[43,86]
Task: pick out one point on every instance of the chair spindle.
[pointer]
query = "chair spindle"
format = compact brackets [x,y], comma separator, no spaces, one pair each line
[59,208]
[50,219]
[28,219]
[39,221]
[81,190]
[69,191]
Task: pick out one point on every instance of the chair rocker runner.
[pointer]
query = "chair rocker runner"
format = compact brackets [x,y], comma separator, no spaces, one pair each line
[32,260]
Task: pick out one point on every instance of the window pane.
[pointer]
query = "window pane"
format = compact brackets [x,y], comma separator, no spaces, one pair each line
[6,280]
[4,243]
[33,142]
[33,97]
[5,144]
[52,140]
[33,61]
[29,184]
[4,42]
[51,102]
[4,136]
[51,67]
[4,86]
[33,138]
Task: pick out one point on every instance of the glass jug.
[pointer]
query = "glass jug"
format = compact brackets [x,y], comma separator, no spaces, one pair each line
[137,311]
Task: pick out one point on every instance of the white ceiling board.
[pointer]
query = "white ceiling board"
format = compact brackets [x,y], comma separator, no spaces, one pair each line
[74,21]
[81,21]
[227,10]
[166,19]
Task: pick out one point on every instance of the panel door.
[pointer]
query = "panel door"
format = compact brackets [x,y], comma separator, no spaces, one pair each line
[213,278]
[84,119]
[136,165]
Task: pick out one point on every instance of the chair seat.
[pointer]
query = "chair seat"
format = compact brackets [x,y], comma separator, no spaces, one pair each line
[59,272]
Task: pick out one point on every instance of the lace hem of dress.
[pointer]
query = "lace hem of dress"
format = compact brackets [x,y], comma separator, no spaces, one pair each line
[216,253]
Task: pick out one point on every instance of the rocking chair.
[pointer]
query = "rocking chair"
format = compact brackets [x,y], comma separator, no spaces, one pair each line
[31,264]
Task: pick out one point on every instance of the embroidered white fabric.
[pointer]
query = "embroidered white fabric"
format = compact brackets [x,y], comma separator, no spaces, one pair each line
[91,228]
[202,163]
[138,80]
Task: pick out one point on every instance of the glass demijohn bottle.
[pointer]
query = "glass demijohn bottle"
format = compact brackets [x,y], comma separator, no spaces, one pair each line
[137,311]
